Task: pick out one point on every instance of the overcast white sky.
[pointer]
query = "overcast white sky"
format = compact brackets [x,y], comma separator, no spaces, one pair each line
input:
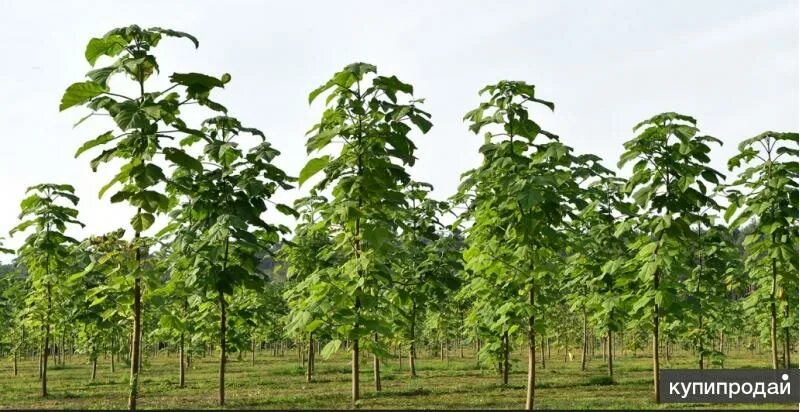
[606,64]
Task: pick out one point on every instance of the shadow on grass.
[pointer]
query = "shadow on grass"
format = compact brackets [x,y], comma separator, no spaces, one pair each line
[406,392]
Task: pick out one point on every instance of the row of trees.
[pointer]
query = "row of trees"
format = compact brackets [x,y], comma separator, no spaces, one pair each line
[540,236]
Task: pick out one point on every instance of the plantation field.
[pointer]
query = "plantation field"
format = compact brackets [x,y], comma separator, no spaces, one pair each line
[279,383]
[538,241]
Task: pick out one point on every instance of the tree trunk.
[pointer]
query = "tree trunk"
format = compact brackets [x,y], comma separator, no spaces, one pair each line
[182,369]
[656,366]
[505,358]
[61,349]
[376,367]
[355,371]
[603,342]
[94,367]
[253,353]
[137,338]
[301,356]
[531,358]
[787,345]
[412,354]
[222,331]
[46,346]
[700,341]
[610,352]
[542,339]
[309,367]
[774,317]
[411,361]
[585,341]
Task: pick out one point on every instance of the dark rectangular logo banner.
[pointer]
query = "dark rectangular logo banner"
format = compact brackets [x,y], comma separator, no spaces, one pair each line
[730,386]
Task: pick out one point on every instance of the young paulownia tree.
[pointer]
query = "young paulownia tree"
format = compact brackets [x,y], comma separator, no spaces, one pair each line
[671,180]
[144,122]
[368,120]
[769,176]
[520,200]
[219,221]
[46,252]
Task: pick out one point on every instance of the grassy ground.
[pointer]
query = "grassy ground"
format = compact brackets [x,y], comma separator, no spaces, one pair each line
[279,382]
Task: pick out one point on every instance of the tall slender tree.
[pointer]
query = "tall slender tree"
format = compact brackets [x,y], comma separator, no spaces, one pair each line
[46,252]
[144,123]
[519,199]
[671,180]
[768,177]
[219,221]
[368,117]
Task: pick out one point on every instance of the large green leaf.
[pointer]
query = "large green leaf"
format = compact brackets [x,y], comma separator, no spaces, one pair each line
[110,45]
[141,221]
[330,348]
[131,116]
[99,140]
[79,93]
[181,158]
[174,33]
[312,167]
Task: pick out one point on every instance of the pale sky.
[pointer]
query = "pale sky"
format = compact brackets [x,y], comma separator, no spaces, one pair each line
[606,64]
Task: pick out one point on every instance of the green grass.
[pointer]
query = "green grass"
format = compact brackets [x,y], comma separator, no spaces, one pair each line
[279,383]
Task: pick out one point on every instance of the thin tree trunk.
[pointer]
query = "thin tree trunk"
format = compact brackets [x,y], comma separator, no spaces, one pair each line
[505,358]
[585,341]
[94,367]
[412,354]
[787,346]
[41,361]
[773,334]
[656,366]
[222,331]
[376,366]
[46,346]
[61,349]
[542,339]
[310,366]
[411,361]
[355,371]
[531,357]
[609,339]
[137,335]
[15,362]
[461,336]
[603,342]
[182,368]
[700,340]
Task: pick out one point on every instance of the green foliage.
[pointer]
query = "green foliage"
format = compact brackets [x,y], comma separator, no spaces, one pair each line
[519,201]
[545,243]
[670,182]
[144,122]
[370,119]
[765,195]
